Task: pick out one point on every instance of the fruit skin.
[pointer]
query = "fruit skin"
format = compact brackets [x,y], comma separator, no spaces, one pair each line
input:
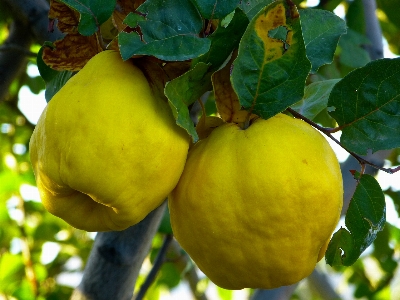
[255,208]
[106,151]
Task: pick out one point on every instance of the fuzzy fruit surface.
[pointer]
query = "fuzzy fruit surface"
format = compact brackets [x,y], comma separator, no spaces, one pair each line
[106,151]
[255,208]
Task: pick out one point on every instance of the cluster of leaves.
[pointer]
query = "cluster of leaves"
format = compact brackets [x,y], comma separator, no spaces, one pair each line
[198,46]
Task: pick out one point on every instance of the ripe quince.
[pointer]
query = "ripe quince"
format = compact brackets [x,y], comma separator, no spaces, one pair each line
[255,207]
[106,150]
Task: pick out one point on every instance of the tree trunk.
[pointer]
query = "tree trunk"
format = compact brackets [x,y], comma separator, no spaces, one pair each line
[115,260]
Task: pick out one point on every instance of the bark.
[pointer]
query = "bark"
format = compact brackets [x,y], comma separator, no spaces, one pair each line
[115,260]
[372,30]
[282,293]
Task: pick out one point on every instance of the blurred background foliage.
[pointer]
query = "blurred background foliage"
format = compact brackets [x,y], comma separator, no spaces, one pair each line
[41,257]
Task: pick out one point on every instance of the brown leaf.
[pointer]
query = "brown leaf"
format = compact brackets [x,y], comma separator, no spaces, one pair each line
[113,45]
[68,19]
[152,69]
[206,125]
[226,99]
[175,69]
[72,52]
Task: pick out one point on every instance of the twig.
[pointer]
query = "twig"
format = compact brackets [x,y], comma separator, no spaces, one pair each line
[160,259]
[24,51]
[328,132]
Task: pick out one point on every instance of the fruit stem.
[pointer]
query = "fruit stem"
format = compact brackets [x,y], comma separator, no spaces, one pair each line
[247,121]
[328,132]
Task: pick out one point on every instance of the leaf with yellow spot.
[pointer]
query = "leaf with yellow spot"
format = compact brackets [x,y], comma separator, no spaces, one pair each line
[270,70]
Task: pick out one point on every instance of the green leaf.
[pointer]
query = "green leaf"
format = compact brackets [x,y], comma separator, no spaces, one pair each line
[184,90]
[11,272]
[169,275]
[321,31]
[45,71]
[170,31]
[214,9]
[35,84]
[315,98]
[383,250]
[352,52]
[365,217]
[366,106]
[53,79]
[54,85]
[224,294]
[223,41]
[355,17]
[93,13]
[395,195]
[266,75]
[24,291]
[165,225]
[252,7]
[390,8]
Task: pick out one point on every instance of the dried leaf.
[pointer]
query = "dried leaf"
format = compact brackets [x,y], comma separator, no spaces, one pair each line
[152,69]
[67,18]
[113,45]
[206,125]
[226,100]
[72,52]
[175,69]
[225,97]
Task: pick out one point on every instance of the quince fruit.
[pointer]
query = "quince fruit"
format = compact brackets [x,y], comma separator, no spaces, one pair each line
[106,150]
[255,208]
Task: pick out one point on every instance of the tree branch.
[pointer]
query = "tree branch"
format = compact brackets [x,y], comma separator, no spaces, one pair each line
[372,30]
[115,260]
[282,293]
[34,14]
[12,63]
